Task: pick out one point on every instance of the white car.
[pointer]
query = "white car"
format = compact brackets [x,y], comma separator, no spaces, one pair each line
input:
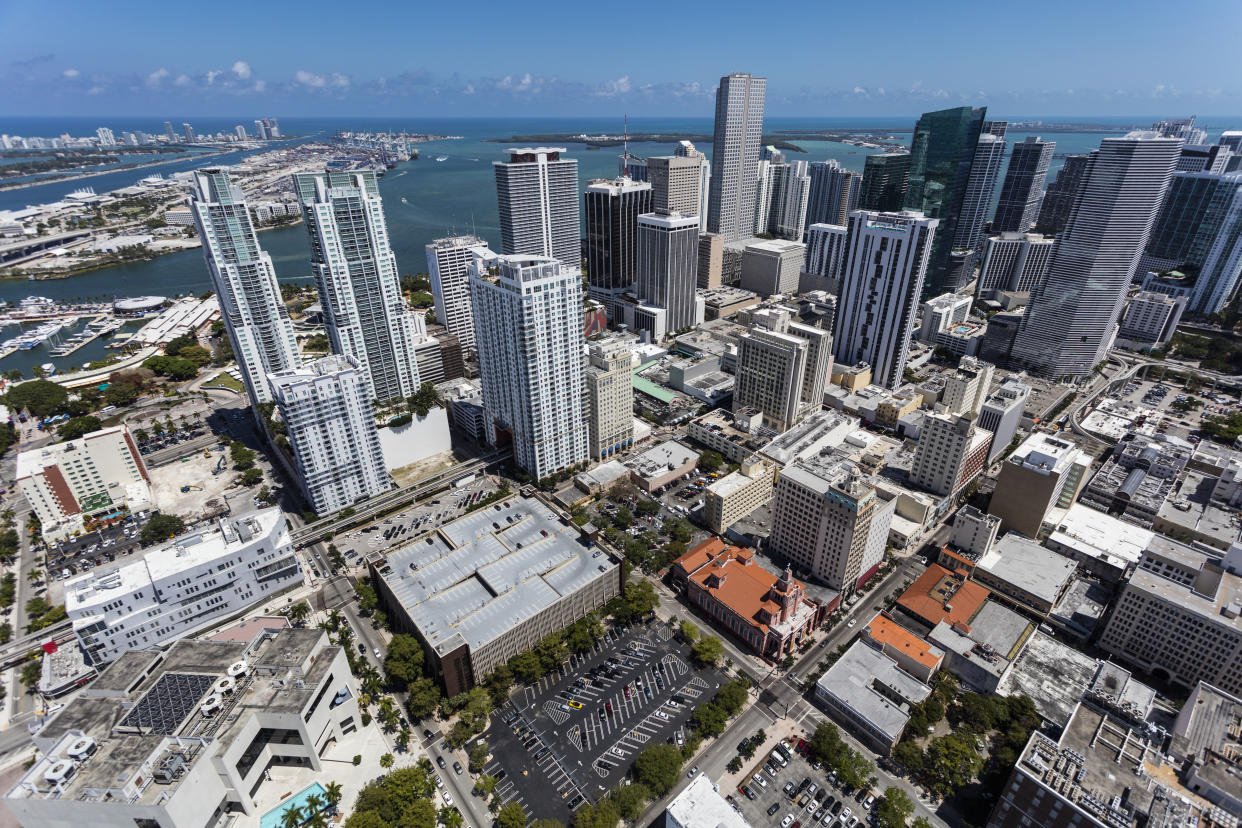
[785,822]
[447,797]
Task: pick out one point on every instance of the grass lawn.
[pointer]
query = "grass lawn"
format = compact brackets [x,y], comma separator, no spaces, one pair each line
[225,380]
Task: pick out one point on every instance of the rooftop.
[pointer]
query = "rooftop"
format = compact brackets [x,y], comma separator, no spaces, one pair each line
[1053,674]
[1017,560]
[1191,507]
[479,576]
[871,685]
[940,595]
[661,459]
[1093,533]
[888,633]
[700,805]
[997,637]
[822,429]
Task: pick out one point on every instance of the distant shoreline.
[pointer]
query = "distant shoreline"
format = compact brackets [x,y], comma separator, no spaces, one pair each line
[599,141]
[26,185]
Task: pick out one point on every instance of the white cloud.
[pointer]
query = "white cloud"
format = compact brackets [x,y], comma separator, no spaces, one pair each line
[260,85]
[339,80]
[241,69]
[469,90]
[620,86]
[858,90]
[94,90]
[71,73]
[183,80]
[309,79]
[212,75]
[157,77]
[940,93]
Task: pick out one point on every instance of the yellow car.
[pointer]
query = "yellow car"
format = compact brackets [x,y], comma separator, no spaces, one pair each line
[576,705]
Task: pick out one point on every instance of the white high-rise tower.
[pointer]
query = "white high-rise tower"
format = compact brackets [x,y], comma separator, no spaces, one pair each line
[255,317]
[735,156]
[1072,318]
[537,191]
[448,260]
[356,271]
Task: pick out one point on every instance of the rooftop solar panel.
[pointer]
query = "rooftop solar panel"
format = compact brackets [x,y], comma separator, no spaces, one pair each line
[167,704]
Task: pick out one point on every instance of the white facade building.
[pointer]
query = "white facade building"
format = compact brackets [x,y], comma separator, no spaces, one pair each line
[735,155]
[448,261]
[363,310]
[66,482]
[537,191]
[1001,414]
[183,586]
[1151,319]
[1013,262]
[967,387]
[951,453]
[825,256]
[254,314]
[610,398]
[885,264]
[942,312]
[668,267]
[528,320]
[782,367]
[326,406]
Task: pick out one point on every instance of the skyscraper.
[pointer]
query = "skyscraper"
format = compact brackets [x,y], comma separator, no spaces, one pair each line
[240,131]
[1059,199]
[612,210]
[538,194]
[942,151]
[1218,280]
[188,132]
[254,314]
[834,193]
[885,263]
[675,181]
[686,149]
[885,178]
[1072,318]
[528,323]
[1013,262]
[364,312]
[105,136]
[952,451]
[1023,189]
[170,132]
[448,261]
[735,155]
[825,256]
[789,187]
[1183,128]
[782,367]
[668,266]
[326,408]
[977,201]
[260,130]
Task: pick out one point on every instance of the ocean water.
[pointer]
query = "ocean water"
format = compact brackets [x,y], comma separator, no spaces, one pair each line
[423,199]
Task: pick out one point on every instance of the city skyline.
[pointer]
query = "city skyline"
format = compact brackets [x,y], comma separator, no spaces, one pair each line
[73,67]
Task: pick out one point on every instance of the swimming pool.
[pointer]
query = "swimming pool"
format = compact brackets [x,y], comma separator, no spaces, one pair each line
[273,817]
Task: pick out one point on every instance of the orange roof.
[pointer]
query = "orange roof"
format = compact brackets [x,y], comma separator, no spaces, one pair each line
[700,555]
[940,595]
[742,587]
[888,633]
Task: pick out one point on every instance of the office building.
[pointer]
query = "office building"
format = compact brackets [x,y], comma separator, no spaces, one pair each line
[661,465]
[940,313]
[770,614]
[1001,414]
[1181,128]
[448,265]
[1023,190]
[833,195]
[1217,282]
[1043,474]
[537,191]
[736,495]
[255,317]
[675,183]
[611,245]
[830,522]
[68,483]
[735,156]
[825,258]
[1151,319]
[1027,576]
[974,531]
[782,367]
[186,738]
[240,132]
[1186,632]
[1137,479]
[884,181]
[188,132]
[326,408]
[1013,262]
[213,572]
[1205,158]
[942,150]
[527,320]
[260,130]
[967,387]
[886,260]
[868,694]
[487,586]
[985,167]
[701,805]
[951,453]
[686,149]
[711,255]
[772,267]
[1071,321]
[359,287]
[1060,196]
[668,267]
[610,398]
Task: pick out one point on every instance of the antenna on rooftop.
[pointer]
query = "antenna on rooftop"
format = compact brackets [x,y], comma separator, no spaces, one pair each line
[625,143]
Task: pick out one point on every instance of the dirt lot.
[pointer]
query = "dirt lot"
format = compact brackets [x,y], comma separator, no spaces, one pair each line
[423,468]
[166,483]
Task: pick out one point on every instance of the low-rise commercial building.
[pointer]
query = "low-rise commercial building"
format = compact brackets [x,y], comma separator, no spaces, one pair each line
[820,431]
[1207,733]
[700,805]
[940,594]
[912,654]
[1025,574]
[771,615]
[736,495]
[981,653]
[182,586]
[489,585]
[1137,478]
[870,695]
[722,301]
[1203,508]
[660,465]
[974,531]
[1102,545]
[734,435]
[185,738]
[67,483]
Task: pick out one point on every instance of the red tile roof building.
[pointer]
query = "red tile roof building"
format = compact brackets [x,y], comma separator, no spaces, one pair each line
[940,595]
[770,614]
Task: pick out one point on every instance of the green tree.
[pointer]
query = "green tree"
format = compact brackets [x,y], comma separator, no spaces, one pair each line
[78,427]
[732,697]
[484,785]
[332,794]
[42,398]
[252,477]
[423,399]
[648,507]
[242,457]
[161,527]
[951,762]
[630,800]
[526,666]
[708,650]
[424,698]
[386,761]
[709,719]
[921,822]
[478,756]
[196,354]
[512,815]
[451,818]
[658,767]
[31,671]
[894,808]
[298,613]
[403,663]
[689,632]
[603,814]
[121,393]
[710,461]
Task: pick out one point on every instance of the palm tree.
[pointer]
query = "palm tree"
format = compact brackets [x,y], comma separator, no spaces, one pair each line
[291,818]
[314,809]
[332,794]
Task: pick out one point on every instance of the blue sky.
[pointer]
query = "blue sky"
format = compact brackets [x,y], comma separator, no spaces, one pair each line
[893,57]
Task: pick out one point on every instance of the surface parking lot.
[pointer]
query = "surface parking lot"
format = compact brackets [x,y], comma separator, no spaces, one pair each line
[786,791]
[573,735]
